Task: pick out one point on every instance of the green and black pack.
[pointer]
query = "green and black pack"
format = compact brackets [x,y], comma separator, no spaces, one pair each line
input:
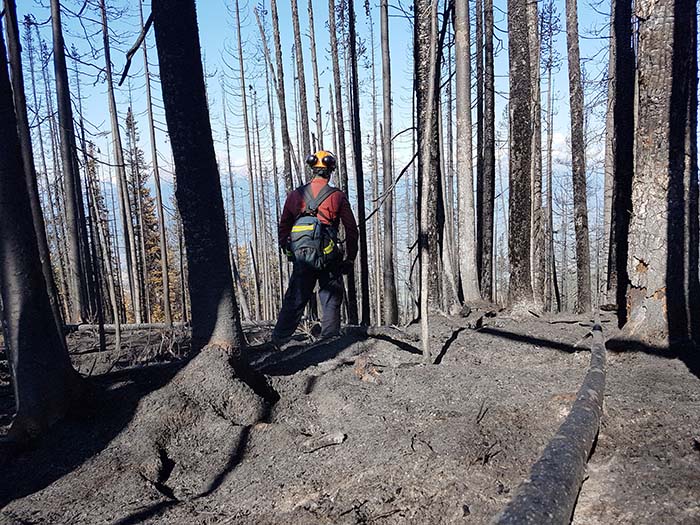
[313,243]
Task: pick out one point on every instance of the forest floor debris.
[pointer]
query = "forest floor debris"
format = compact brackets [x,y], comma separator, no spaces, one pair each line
[366,432]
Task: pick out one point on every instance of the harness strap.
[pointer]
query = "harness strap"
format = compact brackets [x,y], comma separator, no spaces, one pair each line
[312,203]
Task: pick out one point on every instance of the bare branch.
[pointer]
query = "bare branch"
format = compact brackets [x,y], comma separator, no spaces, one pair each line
[130,54]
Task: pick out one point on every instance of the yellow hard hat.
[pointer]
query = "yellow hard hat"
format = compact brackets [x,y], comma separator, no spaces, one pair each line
[322,159]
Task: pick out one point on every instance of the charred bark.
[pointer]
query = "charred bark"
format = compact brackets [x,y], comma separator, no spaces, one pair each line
[663,298]
[78,267]
[537,234]
[30,174]
[622,145]
[43,380]
[359,175]
[520,288]
[353,316]
[391,307]
[578,162]
[487,211]
[467,242]
[215,318]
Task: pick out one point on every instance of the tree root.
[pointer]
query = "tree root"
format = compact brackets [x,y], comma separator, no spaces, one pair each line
[196,427]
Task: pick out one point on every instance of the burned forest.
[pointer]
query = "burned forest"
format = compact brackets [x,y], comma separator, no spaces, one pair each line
[298,261]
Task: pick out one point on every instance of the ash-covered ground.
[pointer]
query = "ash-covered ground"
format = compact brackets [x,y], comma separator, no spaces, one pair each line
[366,432]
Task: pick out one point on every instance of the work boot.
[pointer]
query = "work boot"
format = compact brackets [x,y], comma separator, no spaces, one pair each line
[279,342]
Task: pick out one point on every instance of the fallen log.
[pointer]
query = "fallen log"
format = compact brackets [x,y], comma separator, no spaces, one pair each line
[111,328]
[548,495]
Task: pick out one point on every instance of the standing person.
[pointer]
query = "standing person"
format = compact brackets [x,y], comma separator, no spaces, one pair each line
[308,234]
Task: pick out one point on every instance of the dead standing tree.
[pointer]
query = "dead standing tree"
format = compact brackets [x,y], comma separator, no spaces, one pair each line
[303,104]
[125,202]
[43,380]
[578,162]
[162,246]
[359,175]
[279,76]
[663,293]
[249,160]
[622,144]
[30,174]
[520,288]
[391,307]
[487,210]
[467,240]
[426,79]
[551,61]
[79,274]
[352,312]
[537,248]
[52,230]
[216,391]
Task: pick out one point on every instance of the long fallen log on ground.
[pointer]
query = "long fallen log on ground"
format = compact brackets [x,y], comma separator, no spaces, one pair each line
[549,494]
[132,327]
[111,328]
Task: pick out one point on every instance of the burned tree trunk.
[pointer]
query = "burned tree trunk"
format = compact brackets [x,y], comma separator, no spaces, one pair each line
[391,307]
[359,175]
[428,152]
[30,175]
[663,293]
[342,158]
[520,288]
[426,75]
[479,205]
[487,211]
[162,241]
[578,163]
[467,240]
[622,145]
[215,318]
[43,380]
[303,103]
[537,259]
[77,240]
[125,204]
[286,143]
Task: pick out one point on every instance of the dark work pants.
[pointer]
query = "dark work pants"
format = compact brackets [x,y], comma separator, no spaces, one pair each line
[301,286]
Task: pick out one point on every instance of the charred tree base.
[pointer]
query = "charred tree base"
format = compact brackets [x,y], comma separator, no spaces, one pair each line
[32,422]
[185,437]
[525,309]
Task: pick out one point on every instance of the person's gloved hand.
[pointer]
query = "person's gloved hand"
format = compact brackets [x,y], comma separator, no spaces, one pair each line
[347,267]
[289,253]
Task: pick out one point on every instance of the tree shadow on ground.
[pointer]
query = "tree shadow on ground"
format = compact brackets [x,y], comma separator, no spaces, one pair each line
[686,353]
[401,345]
[448,343]
[142,515]
[546,343]
[104,412]
[296,358]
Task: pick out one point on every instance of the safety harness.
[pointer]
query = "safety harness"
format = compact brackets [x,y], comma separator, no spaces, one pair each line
[314,243]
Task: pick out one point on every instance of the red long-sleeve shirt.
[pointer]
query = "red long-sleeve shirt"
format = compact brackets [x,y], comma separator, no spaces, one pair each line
[334,210]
